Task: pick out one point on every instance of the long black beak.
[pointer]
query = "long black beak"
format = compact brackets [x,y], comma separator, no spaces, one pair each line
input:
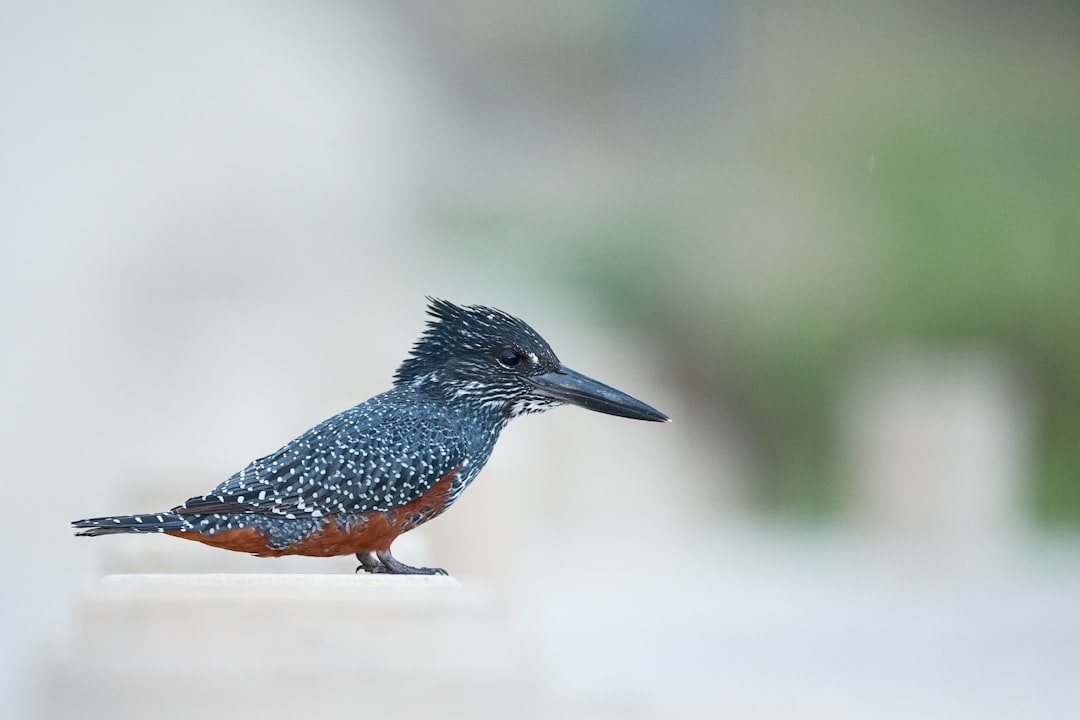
[572,387]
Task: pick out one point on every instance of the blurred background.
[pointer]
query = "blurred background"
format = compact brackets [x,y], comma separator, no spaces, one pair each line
[837,242]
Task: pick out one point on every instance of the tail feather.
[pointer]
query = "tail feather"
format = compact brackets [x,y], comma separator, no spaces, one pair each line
[150,523]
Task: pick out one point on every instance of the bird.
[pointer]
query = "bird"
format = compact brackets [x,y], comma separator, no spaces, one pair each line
[356,481]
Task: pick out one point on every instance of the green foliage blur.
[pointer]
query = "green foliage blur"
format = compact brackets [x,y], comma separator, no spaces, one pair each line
[806,179]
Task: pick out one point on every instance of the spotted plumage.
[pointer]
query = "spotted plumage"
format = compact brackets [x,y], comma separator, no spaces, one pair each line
[356,481]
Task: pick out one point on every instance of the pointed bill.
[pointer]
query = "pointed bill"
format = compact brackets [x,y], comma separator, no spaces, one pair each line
[572,387]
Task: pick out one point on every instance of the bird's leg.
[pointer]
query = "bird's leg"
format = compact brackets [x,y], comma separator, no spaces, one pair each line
[393,566]
[368,562]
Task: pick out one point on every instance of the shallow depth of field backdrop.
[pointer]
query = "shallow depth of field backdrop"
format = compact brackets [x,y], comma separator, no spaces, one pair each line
[838,242]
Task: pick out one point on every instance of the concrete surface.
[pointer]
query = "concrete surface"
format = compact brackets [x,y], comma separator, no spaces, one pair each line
[284,645]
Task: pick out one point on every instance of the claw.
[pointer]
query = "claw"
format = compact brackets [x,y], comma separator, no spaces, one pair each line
[393,566]
[369,562]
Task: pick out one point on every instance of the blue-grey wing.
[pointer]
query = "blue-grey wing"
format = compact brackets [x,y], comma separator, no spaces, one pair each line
[344,465]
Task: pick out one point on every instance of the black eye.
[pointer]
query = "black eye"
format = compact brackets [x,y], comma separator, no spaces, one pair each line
[509,358]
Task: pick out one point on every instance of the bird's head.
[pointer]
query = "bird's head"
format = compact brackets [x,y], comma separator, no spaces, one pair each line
[487,356]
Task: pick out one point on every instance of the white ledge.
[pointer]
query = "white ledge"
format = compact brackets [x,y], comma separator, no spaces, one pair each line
[278,580]
[287,591]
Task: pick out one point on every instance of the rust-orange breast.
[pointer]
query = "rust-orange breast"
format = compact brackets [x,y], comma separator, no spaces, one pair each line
[338,534]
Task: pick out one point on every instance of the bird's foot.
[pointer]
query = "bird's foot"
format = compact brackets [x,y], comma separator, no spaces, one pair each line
[393,566]
[382,562]
[406,570]
[368,562]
